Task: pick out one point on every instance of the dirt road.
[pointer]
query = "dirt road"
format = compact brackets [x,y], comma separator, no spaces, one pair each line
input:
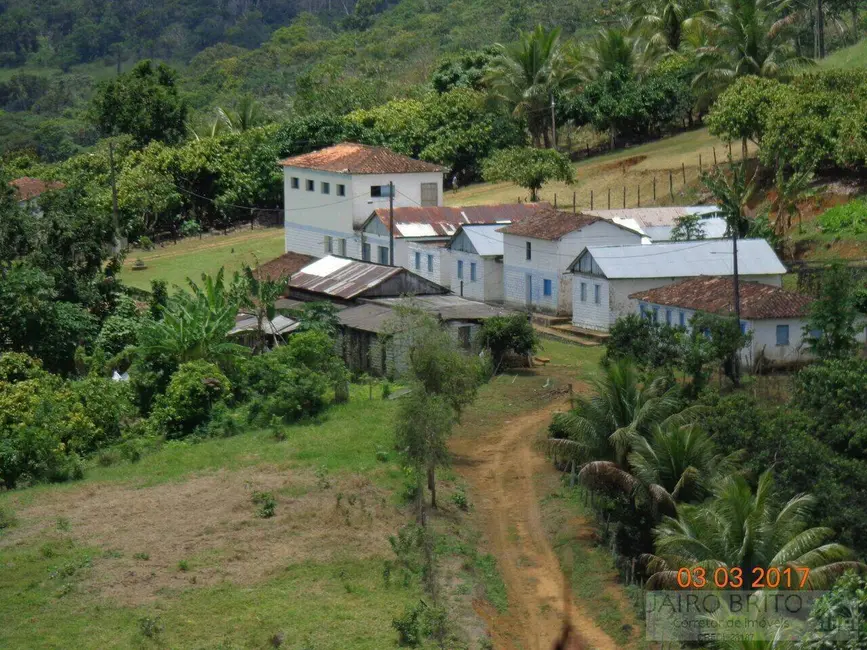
[500,467]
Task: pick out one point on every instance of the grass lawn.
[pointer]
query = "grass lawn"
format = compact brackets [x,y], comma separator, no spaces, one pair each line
[852,57]
[189,258]
[631,168]
[169,552]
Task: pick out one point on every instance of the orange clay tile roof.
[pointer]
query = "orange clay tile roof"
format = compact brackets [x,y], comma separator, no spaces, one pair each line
[285,265]
[27,188]
[352,158]
[550,224]
[716,295]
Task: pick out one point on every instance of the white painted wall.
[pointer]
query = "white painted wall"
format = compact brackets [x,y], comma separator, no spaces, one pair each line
[311,215]
[488,285]
[616,302]
[549,260]
[440,258]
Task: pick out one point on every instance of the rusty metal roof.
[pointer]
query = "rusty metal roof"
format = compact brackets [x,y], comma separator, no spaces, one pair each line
[443,221]
[353,158]
[716,295]
[27,187]
[550,224]
[283,266]
[340,277]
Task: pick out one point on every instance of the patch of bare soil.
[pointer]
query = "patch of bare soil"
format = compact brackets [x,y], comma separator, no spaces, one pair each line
[623,164]
[501,467]
[211,523]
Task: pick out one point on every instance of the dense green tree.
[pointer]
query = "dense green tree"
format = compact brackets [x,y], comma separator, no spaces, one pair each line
[831,328]
[741,111]
[838,619]
[528,168]
[687,228]
[462,70]
[664,22]
[502,335]
[144,103]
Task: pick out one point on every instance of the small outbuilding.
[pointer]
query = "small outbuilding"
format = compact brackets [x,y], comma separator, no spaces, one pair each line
[476,254]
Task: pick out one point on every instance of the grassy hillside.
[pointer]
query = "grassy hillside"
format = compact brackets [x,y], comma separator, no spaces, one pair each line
[852,57]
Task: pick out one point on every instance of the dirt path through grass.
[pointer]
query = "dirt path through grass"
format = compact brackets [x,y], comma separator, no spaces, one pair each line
[501,466]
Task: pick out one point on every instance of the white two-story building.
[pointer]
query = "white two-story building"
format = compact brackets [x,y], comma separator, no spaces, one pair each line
[537,252]
[330,193]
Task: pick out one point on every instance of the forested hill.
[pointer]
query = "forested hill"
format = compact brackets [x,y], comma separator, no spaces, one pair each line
[53,53]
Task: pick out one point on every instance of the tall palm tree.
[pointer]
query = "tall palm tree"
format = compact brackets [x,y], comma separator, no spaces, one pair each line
[739,528]
[675,464]
[605,426]
[664,22]
[791,191]
[246,115]
[207,128]
[526,75]
[749,37]
[611,51]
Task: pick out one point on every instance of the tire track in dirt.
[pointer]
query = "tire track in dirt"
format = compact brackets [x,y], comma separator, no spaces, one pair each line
[500,467]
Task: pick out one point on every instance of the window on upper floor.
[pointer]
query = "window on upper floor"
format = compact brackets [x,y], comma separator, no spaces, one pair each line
[310,185]
[294,182]
[325,187]
[365,252]
[329,244]
[383,255]
[341,189]
[379,191]
[430,195]
[529,251]
[341,247]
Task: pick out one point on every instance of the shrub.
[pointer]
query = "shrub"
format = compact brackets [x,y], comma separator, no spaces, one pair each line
[192,393]
[266,502]
[459,498]
[190,228]
[7,518]
[848,218]
[118,333]
[145,243]
[503,334]
[17,366]
[408,625]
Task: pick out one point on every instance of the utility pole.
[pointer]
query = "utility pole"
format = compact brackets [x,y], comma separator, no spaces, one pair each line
[115,220]
[391,223]
[553,123]
[736,362]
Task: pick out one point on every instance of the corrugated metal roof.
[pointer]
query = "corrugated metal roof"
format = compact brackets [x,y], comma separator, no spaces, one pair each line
[716,295]
[451,307]
[485,238]
[714,228]
[664,216]
[684,259]
[443,221]
[340,277]
[353,158]
[279,325]
[367,317]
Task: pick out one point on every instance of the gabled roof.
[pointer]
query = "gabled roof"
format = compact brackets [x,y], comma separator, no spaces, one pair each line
[27,187]
[353,158]
[443,221]
[683,259]
[663,216]
[285,265]
[344,278]
[551,224]
[716,295]
[487,238]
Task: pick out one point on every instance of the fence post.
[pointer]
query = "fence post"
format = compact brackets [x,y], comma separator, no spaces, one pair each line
[555,200]
[609,198]
[683,167]
[671,183]
[699,164]
[574,203]
[639,195]
[624,197]
[591,199]
[714,156]
[654,188]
